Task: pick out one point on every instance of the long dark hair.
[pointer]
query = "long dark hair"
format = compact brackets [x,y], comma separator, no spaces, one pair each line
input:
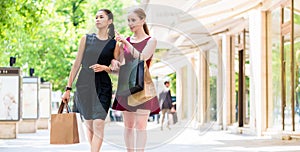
[111,27]
[142,15]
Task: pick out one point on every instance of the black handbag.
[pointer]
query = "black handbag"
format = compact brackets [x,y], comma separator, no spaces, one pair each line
[131,77]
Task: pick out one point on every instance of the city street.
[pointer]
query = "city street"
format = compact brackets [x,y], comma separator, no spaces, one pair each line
[188,140]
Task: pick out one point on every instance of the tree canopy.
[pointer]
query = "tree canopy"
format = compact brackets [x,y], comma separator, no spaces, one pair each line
[44,34]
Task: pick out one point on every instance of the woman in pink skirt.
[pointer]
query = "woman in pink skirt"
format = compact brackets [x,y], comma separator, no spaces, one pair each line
[136,117]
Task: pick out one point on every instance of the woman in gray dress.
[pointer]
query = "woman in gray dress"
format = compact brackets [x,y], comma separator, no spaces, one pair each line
[93,86]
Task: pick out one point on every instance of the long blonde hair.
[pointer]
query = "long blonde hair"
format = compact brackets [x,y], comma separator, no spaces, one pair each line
[142,15]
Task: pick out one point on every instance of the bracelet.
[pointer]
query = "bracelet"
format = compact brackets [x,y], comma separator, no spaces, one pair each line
[68,88]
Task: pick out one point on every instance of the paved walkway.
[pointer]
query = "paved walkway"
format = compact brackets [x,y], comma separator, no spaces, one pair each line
[178,139]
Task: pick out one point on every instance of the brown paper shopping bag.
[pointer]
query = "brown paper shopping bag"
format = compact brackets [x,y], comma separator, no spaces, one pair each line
[147,93]
[64,129]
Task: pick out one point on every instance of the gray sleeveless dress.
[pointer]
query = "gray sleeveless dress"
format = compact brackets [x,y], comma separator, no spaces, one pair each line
[94,89]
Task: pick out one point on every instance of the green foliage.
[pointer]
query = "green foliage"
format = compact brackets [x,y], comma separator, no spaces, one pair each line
[114,80]
[45,34]
[213,97]
[247,82]
[72,10]
[20,16]
[172,77]
[276,71]
[297,19]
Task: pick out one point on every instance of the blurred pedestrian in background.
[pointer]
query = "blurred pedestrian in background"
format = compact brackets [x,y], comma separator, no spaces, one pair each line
[165,100]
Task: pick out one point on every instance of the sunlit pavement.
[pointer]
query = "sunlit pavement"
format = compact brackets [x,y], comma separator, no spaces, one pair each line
[187,140]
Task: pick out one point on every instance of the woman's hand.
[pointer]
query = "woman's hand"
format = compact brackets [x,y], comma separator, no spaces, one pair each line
[66,96]
[125,44]
[99,68]
[115,65]
[119,37]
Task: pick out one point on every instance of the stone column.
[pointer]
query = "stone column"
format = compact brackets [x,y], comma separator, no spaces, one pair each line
[192,89]
[179,94]
[258,66]
[185,93]
[202,85]
[228,81]
[220,86]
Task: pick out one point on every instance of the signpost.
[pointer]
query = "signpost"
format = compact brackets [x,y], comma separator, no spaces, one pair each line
[30,105]
[44,105]
[9,101]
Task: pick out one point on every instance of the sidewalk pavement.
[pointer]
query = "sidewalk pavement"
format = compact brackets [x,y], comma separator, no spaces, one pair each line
[178,139]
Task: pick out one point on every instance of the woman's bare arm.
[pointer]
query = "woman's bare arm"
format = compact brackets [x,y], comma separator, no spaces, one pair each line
[147,51]
[77,61]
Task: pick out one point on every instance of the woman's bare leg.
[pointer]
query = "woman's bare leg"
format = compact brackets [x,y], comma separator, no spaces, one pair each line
[141,126]
[98,127]
[89,130]
[129,124]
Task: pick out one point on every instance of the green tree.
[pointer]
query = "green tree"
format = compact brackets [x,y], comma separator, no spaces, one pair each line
[172,77]
[44,34]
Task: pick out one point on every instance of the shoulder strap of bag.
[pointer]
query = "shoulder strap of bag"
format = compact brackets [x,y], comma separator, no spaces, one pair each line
[134,51]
